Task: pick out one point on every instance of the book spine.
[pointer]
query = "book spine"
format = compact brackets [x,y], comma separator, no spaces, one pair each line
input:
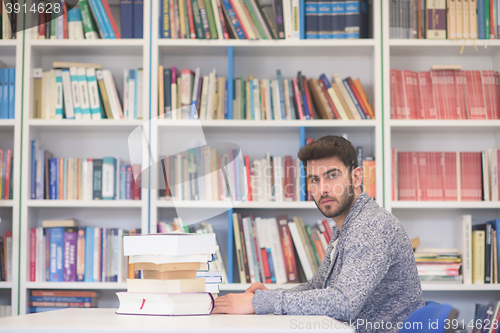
[69,250]
[88,24]
[110,19]
[127,18]
[56,254]
[138,14]
[311,20]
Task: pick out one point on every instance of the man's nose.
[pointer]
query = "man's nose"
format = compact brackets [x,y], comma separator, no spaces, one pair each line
[324,187]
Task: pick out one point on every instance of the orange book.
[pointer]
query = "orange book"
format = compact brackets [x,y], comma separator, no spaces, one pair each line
[161,96]
[308,98]
[319,247]
[369,177]
[364,99]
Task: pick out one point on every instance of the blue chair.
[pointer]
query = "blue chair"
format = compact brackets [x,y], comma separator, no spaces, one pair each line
[429,313]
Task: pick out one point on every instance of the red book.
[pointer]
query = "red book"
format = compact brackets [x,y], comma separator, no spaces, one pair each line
[298,98]
[223,21]
[450,176]
[289,188]
[394,94]
[496,99]
[488,85]
[414,176]
[328,230]
[265,264]
[33,254]
[136,189]
[330,102]
[408,97]
[451,94]
[65,20]
[475,98]
[247,167]
[287,247]
[192,32]
[7,174]
[41,24]
[461,85]
[257,251]
[416,96]
[393,174]
[358,97]
[423,173]
[111,19]
[310,104]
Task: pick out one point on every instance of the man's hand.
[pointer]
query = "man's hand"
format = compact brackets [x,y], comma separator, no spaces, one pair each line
[256,286]
[234,304]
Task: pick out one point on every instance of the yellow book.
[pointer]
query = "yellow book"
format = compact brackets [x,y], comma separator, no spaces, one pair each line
[472,19]
[345,108]
[459,20]
[478,238]
[451,22]
[182,18]
[169,275]
[466,19]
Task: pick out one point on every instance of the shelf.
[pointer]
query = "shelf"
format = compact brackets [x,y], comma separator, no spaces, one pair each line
[77,285]
[244,286]
[51,43]
[446,204]
[442,47]
[267,43]
[5,285]
[6,203]
[248,205]
[67,47]
[268,123]
[64,125]
[8,42]
[444,125]
[459,287]
[83,203]
[7,122]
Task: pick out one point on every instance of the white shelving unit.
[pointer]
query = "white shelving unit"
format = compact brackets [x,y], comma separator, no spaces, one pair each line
[11,53]
[436,222]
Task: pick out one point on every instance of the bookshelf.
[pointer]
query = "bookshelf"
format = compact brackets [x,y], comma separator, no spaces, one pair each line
[11,53]
[436,222]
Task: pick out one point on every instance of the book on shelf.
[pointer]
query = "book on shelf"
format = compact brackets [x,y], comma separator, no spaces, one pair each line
[445,94]
[6,174]
[7,93]
[90,19]
[80,178]
[5,310]
[85,92]
[6,256]
[48,300]
[259,99]
[446,176]
[170,289]
[78,254]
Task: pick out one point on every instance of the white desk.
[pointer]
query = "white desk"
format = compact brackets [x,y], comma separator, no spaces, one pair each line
[105,320]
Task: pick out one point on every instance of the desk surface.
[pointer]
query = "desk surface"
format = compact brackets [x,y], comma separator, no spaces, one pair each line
[106,320]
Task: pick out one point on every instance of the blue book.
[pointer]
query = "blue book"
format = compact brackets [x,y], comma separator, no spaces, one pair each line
[127,19]
[164,19]
[89,254]
[338,18]
[12,92]
[496,226]
[481,30]
[53,179]
[324,19]
[123,182]
[234,20]
[38,309]
[60,299]
[282,99]
[56,254]
[311,19]
[356,19]
[40,186]
[354,99]
[2,116]
[160,19]
[100,16]
[34,146]
[138,18]
[5,93]
[271,265]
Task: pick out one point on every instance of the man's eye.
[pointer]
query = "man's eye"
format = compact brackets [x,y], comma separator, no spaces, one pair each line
[313,180]
[332,175]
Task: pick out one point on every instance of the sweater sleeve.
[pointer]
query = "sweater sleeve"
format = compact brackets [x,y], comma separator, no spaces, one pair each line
[366,260]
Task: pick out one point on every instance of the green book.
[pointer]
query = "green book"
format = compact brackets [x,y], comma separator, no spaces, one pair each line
[88,23]
[312,244]
[211,19]
[243,90]
[186,19]
[53,26]
[198,25]
[487,18]
[254,18]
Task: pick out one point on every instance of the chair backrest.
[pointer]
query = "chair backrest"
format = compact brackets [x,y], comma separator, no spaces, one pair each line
[430,318]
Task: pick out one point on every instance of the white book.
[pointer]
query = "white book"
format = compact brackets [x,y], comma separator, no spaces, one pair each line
[132,89]
[295,19]
[9,257]
[109,83]
[278,178]
[464,244]
[207,171]
[173,244]
[244,178]
[94,98]
[75,93]
[287,18]
[299,246]
[204,97]
[45,112]
[248,245]
[126,94]
[173,95]
[75,27]
[108,178]
[347,97]
[84,93]
[218,23]
[337,104]
[493,169]
[212,85]
[264,180]
[255,181]
[256,99]
[276,100]
[140,95]
[40,256]
[277,251]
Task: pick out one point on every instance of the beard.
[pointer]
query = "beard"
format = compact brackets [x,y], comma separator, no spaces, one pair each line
[345,203]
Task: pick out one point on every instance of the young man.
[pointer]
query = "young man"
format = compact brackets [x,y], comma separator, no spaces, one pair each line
[369,278]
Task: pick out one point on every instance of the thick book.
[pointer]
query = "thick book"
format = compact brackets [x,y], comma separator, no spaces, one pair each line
[165,304]
[173,244]
[166,286]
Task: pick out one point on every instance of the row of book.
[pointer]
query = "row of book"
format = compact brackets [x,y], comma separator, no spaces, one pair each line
[452,19]
[279,250]
[49,300]
[6,256]
[486,319]
[437,265]
[7,21]
[445,94]
[6,174]
[176,280]
[191,95]
[446,176]
[81,178]
[91,19]
[85,93]
[7,92]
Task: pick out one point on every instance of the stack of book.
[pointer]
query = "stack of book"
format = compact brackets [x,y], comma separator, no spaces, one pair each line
[6,174]
[63,251]
[81,178]
[49,300]
[252,19]
[7,92]
[6,256]
[445,94]
[438,265]
[171,283]
[260,99]
[446,176]
[85,91]
[91,19]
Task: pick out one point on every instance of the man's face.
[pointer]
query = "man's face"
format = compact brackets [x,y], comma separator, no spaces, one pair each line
[330,185]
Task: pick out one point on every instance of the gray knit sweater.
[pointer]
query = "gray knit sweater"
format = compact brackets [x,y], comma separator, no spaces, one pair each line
[370,278]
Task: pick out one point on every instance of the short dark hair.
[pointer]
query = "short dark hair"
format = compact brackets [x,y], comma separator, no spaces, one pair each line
[330,146]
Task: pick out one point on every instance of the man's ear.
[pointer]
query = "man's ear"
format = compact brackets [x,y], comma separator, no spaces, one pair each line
[357,177]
